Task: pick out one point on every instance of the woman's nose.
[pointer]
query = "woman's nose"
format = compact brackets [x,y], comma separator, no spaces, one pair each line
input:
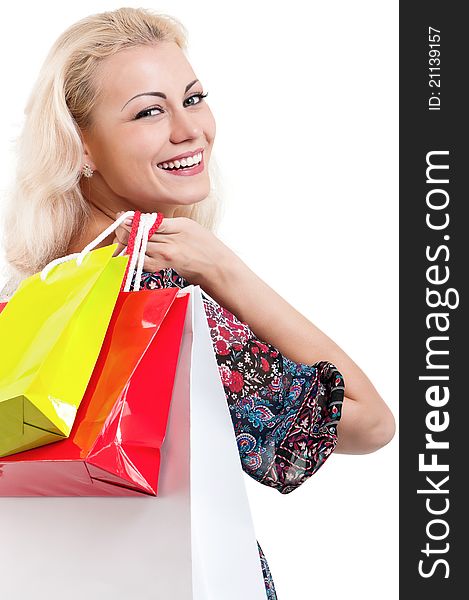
[185,126]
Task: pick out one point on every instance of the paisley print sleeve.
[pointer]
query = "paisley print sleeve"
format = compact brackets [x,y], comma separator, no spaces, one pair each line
[285,414]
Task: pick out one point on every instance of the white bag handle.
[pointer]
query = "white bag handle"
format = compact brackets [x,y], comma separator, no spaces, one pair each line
[135,254]
[81,255]
[147,221]
[102,236]
[137,259]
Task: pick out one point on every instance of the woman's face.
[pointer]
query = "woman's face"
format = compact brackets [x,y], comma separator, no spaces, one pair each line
[150,110]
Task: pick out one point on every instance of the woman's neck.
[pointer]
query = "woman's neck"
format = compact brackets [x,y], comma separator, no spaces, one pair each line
[95,225]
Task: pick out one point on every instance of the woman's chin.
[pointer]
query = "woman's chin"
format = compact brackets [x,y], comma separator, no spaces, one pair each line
[187,191]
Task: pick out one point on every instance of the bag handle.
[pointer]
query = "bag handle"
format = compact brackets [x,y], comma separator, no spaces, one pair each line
[81,255]
[149,221]
[137,233]
[143,227]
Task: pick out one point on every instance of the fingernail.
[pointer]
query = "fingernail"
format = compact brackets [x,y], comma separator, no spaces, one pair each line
[128,221]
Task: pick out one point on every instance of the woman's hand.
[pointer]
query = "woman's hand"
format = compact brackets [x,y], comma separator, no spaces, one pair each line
[183,244]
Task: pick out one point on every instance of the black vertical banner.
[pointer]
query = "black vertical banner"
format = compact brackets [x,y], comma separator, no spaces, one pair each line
[434,268]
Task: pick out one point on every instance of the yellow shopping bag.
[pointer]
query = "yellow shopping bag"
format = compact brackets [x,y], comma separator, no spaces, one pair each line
[51,333]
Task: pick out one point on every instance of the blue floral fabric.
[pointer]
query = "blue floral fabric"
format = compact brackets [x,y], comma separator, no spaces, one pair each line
[284,414]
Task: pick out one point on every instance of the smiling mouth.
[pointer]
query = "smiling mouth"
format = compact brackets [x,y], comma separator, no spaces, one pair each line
[174,169]
[184,163]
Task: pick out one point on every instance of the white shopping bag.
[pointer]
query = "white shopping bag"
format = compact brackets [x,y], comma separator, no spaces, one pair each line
[194,541]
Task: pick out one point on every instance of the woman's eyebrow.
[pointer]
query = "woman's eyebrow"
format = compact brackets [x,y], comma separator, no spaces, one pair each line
[188,87]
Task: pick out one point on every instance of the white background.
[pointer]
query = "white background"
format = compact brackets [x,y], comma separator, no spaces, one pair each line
[305,95]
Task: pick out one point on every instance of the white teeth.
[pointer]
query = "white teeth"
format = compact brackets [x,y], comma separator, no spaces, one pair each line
[184,162]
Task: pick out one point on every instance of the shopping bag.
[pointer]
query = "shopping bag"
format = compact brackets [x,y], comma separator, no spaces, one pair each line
[114,445]
[51,332]
[194,541]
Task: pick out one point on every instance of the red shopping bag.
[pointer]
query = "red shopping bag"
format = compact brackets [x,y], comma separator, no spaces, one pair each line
[114,446]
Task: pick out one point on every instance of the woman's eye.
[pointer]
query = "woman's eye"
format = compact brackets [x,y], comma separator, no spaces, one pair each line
[144,113]
[148,111]
[200,96]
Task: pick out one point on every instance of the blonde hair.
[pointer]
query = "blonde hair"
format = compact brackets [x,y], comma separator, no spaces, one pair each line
[46,207]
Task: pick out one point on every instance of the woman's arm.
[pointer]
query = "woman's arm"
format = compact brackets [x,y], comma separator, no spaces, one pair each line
[366,424]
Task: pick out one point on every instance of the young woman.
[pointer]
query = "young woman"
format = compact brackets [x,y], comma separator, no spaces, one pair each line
[119,121]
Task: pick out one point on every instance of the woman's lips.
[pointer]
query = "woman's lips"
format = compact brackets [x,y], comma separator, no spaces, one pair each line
[186,172]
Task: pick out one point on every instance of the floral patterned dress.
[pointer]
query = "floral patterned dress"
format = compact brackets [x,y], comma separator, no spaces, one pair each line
[284,414]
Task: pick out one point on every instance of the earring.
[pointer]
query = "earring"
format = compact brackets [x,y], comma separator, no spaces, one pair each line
[87,171]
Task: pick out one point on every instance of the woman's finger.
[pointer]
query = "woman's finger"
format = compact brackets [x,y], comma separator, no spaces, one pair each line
[119,248]
[152,264]
[121,237]
[122,234]
[171,225]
